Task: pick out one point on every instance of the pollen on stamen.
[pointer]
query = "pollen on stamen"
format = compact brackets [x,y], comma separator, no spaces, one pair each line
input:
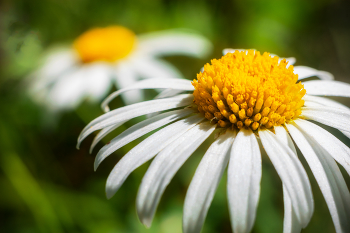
[247,89]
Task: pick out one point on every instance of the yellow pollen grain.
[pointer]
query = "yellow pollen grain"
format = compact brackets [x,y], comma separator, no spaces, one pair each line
[247,89]
[105,44]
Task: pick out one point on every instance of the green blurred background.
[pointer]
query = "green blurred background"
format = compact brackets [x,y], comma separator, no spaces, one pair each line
[46,185]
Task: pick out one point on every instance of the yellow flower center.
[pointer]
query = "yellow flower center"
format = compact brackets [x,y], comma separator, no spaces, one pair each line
[248,89]
[105,44]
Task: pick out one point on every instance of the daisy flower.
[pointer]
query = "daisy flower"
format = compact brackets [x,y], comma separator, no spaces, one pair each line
[103,56]
[246,97]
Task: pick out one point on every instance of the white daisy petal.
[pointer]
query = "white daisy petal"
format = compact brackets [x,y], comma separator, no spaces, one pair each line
[282,135]
[139,130]
[317,101]
[306,72]
[292,174]
[327,88]
[290,221]
[97,80]
[146,150]
[56,64]
[338,150]
[328,177]
[174,42]
[68,91]
[334,117]
[148,67]
[125,76]
[178,84]
[132,111]
[243,180]
[164,167]
[103,133]
[168,93]
[205,182]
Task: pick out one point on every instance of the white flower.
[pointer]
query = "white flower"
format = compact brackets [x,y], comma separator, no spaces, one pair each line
[246,97]
[103,56]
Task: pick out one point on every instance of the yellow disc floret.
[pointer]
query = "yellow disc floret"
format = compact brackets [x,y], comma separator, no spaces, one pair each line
[105,44]
[247,89]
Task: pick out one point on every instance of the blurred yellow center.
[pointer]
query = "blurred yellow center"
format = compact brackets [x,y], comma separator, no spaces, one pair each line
[105,44]
[248,89]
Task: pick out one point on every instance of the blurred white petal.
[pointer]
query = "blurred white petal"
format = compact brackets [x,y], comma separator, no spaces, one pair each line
[174,42]
[147,67]
[97,80]
[125,76]
[306,72]
[56,64]
[68,91]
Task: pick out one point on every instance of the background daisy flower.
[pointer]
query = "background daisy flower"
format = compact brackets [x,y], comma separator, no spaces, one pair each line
[247,98]
[101,57]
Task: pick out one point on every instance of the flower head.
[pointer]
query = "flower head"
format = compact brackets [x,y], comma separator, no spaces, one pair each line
[247,97]
[103,56]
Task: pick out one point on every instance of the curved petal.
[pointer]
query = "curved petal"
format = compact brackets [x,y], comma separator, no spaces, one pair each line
[139,130]
[327,88]
[102,134]
[146,150]
[132,111]
[338,150]
[178,84]
[292,174]
[290,221]
[168,93]
[126,76]
[317,101]
[243,181]
[205,182]
[174,42]
[164,167]
[306,72]
[328,177]
[334,117]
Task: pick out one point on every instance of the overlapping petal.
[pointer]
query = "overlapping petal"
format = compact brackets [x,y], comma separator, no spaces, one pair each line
[205,182]
[243,181]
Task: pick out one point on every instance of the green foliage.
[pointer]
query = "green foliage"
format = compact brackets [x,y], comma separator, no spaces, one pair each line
[49,186]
